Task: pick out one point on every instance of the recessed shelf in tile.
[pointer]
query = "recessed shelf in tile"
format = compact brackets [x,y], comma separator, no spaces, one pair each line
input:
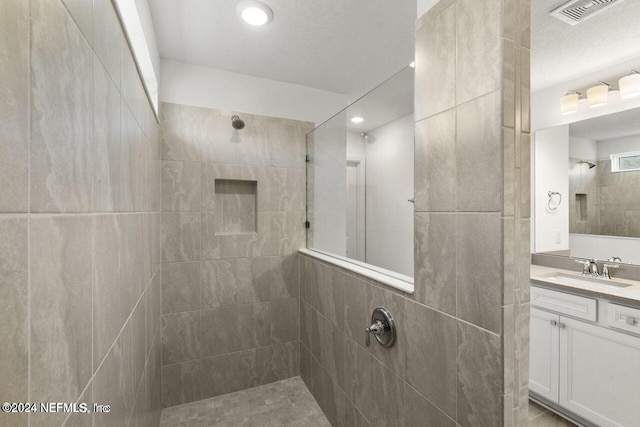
[236,207]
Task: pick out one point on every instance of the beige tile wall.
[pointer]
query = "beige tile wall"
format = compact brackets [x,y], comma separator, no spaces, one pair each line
[79,217]
[613,200]
[233,220]
[462,351]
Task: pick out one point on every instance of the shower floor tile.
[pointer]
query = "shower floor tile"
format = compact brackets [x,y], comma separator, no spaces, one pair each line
[283,403]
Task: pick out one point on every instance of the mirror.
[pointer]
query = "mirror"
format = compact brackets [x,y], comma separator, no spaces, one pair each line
[360,180]
[587,188]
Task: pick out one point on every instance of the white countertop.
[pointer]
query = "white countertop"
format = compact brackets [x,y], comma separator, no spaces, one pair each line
[631,292]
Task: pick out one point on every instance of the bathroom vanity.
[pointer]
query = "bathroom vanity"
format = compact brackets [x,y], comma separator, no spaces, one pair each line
[585,347]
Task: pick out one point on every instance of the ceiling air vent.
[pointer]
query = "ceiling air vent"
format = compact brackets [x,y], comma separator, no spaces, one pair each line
[577,11]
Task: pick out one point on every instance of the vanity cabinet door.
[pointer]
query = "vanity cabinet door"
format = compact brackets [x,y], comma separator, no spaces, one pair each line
[544,354]
[599,374]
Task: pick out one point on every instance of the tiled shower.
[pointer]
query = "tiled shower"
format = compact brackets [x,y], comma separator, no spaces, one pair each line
[80,223]
[152,261]
[232,223]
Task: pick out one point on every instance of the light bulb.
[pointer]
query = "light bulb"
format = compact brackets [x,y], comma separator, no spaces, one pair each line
[254,12]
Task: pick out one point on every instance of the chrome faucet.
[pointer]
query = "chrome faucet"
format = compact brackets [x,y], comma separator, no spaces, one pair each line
[589,267]
[605,270]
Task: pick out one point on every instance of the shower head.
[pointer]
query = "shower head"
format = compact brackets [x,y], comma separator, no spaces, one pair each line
[237,123]
[591,165]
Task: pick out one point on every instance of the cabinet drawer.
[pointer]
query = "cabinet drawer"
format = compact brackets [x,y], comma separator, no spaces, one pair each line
[625,318]
[571,305]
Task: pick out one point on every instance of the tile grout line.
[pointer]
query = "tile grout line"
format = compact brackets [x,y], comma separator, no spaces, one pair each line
[29,136]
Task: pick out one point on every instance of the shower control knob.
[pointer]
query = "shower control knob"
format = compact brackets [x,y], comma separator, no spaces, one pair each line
[383,327]
[376,329]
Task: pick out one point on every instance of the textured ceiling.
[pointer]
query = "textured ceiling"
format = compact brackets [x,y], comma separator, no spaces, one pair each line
[561,52]
[344,46]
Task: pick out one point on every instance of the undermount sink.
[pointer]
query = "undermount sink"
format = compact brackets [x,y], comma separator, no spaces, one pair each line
[577,280]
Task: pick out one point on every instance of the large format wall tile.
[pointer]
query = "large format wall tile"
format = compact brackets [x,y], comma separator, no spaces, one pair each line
[479,155]
[356,313]
[357,375]
[131,86]
[61,112]
[389,389]
[219,142]
[253,142]
[133,145]
[247,190]
[285,320]
[420,412]
[284,276]
[435,269]
[14,108]
[436,64]
[479,270]
[183,133]
[82,13]
[13,315]
[110,170]
[478,48]
[287,145]
[433,376]
[393,357]
[113,383]
[479,377]
[234,281]
[435,180]
[249,368]
[181,383]
[114,279]
[60,253]
[180,236]
[181,337]
[180,287]
[107,38]
[95,286]
[181,186]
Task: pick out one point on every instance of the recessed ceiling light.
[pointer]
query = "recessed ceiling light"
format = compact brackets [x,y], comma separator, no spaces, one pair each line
[413,64]
[357,119]
[255,12]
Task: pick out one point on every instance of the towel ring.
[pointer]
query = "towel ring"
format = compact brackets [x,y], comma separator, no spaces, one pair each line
[551,194]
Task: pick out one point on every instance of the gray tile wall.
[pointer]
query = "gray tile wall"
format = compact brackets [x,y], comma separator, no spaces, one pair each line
[232,222]
[584,181]
[462,352]
[79,217]
[613,200]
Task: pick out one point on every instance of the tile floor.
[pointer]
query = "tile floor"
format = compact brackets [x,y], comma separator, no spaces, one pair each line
[542,417]
[283,403]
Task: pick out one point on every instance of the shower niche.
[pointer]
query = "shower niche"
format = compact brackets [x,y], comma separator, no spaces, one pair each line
[236,207]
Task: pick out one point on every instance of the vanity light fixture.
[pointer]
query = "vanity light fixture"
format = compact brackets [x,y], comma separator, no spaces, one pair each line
[597,95]
[569,102]
[630,85]
[255,12]
[357,119]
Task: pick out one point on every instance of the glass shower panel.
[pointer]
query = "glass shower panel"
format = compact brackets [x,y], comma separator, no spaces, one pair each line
[360,179]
